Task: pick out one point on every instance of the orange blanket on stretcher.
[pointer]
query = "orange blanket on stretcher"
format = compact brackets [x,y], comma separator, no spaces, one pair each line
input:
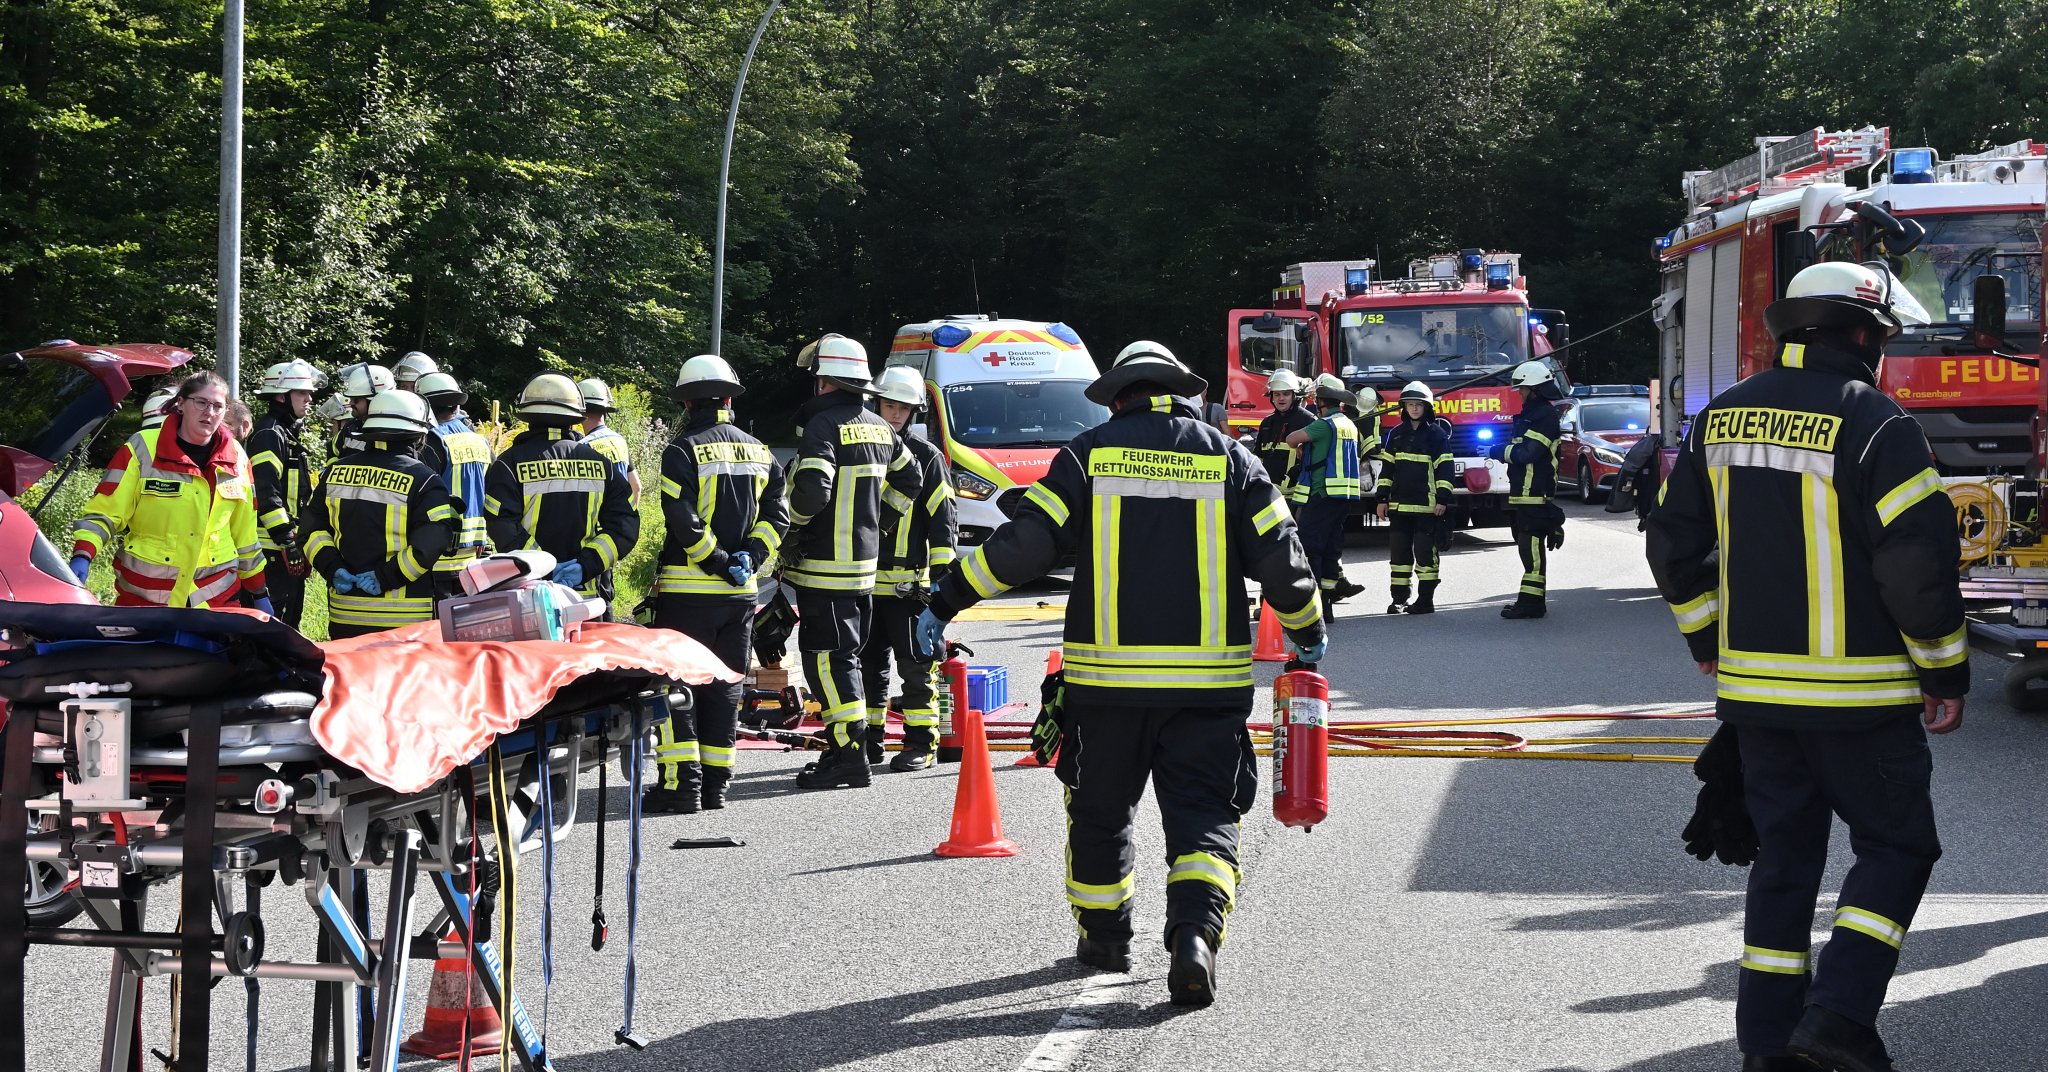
[406,707]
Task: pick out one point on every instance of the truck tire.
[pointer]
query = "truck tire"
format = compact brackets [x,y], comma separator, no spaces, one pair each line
[2026,685]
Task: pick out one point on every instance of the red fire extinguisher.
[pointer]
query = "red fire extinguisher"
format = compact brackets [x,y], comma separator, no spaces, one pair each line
[951,697]
[1301,746]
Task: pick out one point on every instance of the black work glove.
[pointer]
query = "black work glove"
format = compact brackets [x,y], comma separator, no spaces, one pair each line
[1051,726]
[1720,826]
[1556,537]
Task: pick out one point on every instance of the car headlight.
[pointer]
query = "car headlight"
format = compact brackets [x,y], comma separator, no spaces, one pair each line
[1607,456]
[971,486]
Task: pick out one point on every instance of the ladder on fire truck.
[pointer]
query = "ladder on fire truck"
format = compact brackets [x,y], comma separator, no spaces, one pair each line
[1785,162]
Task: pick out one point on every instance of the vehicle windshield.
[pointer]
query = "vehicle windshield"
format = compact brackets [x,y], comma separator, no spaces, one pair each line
[1266,345]
[1620,415]
[51,406]
[1020,413]
[1450,342]
[1942,271]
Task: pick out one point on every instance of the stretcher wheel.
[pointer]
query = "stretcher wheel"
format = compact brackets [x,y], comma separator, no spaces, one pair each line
[48,899]
[242,943]
[2026,685]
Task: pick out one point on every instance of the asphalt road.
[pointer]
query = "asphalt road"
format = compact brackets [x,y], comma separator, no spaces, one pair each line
[1451,915]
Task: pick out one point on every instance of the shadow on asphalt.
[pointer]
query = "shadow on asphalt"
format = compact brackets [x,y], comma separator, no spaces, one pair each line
[1661,912]
[814,1039]
[1927,1033]
[896,861]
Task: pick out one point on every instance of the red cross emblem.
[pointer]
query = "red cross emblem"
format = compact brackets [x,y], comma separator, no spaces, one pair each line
[993,358]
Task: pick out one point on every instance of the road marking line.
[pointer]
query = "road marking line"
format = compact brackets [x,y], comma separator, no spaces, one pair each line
[1057,1050]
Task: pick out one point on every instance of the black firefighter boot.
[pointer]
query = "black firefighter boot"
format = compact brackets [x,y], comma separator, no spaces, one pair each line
[1400,602]
[877,742]
[715,780]
[682,800]
[1103,954]
[1836,1043]
[920,743]
[1191,980]
[842,767]
[1524,607]
[1425,599]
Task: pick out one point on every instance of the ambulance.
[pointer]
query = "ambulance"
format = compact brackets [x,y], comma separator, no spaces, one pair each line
[1005,396]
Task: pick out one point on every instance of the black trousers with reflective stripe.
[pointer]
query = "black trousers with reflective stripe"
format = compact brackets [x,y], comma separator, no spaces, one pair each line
[1204,776]
[727,628]
[1322,537]
[1411,549]
[1531,534]
[287,593]
[1796,782]
[889,640]
[832,628]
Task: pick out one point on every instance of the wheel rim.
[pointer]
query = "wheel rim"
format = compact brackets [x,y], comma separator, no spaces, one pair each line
[46,881]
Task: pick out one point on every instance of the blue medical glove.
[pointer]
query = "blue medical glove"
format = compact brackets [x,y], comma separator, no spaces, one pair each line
[367,583]
[569,573]
[263,604]
[739,568]
[930,635]
[343,581]
[1313,653]
[80,566]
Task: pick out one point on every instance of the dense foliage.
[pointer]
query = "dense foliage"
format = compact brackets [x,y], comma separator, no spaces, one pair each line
[520,184]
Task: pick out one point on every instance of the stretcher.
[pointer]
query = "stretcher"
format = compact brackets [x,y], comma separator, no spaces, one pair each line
[226,753]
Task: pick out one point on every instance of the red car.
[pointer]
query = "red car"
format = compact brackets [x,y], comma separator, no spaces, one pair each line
[57,398]
[1598,430]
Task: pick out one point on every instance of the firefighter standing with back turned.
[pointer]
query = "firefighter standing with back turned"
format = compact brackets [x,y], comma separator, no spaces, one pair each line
[380,522]
[1537,522]
[1281,458]
[1418,490]
[461,454]
[917,553]
[722,499]
[849,468]
[1332,467]
[284,482]
[1809,554]
[549,491]
[597,402]
[1166,517]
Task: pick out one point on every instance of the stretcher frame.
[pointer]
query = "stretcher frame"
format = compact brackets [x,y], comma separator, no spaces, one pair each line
[328,838]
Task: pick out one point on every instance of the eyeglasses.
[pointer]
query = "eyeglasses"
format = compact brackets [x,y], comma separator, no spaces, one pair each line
[206,404]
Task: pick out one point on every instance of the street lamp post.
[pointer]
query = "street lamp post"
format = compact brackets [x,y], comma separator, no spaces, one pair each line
[228,328]
[732,115]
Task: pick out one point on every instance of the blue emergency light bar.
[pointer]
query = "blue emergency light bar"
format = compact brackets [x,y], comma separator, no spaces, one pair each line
[1499,276]
[1357,281]
[1486,435]
[947,336]
[1912,166]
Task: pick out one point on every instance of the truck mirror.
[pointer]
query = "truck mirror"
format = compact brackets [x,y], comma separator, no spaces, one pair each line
[1896,237]
[1987,312]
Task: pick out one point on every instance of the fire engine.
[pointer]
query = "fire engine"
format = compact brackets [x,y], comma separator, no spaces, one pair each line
[1459,322]
[1940,224]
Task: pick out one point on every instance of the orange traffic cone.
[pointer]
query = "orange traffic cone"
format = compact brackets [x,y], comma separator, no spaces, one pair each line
[1272,647]
[453,996]
[977,821]
[1053,663]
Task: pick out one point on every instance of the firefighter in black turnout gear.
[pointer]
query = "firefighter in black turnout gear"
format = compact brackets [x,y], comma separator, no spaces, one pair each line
[549,491]
[284,483]
[1290,414]
[1166,518]
[849,468]
[917,553]
[360,383]
[1809,553]
[462,456]
[722,499]
[1418,456]
[380,522]
[1537,523]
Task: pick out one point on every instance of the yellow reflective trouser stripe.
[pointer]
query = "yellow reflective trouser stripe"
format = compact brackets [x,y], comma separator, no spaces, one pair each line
[1048,502]
[1309,614]
[1904,497]
[1775,961]
[1948,651]
[718,755]
[1696,614]
[1865,921]
[1106,897]
[1817,693]
[1206,867]
[1827,619]
[670,753]
[836,708]
[979,577]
